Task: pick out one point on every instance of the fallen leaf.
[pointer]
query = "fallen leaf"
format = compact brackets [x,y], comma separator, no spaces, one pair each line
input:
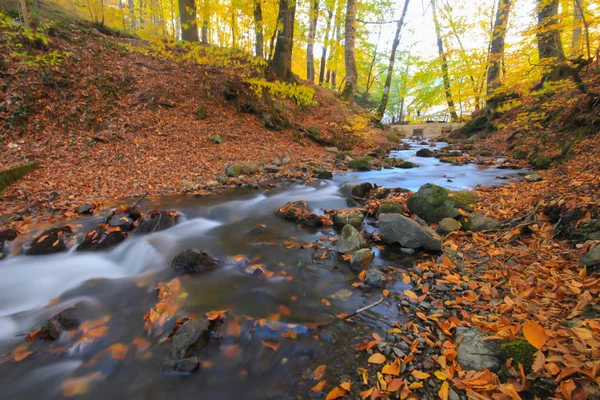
[319,386]
[420,375]
[534,333]
[444,392]
[319,372]
[377,358]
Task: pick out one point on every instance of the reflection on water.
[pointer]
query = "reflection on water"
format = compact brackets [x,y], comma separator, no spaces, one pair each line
[309,287]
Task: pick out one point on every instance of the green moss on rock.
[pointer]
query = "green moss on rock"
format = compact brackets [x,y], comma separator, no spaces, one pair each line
[521,351]
[519,155]
[390,207]
[360,164]
[541,162]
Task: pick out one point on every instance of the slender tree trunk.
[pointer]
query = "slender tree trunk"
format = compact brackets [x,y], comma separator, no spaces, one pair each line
[390,72]
[313,17]
[577,24]
[122,14]
[496,55]
[233,37]
[444,61]
[131,5]
[548,36]
[26,13]
[282,58]
[173,26]
[258,29]
[349,53]
[372,65]
[272,42]
[325,45]
[187,16]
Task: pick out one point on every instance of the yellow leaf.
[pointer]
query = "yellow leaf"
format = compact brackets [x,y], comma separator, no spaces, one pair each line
[444,392]
[336,393]
[415,385]
[319,372]
[377,358]
[440,375]
[534,333]
[420,375]
[365,375]
[410,294]
[345,386]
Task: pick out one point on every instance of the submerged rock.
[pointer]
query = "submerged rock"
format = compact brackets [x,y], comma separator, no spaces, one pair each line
[434,203]
[298,212]
[474,353]
[396,228]
[66,320]
[7,235]
[375,278]
[193,334]
[158,221]
[126,221]
[102,238]
[50,241]
[192,261]
[85,209]
[361,259]
[477,222]
[448,225]
[350,240]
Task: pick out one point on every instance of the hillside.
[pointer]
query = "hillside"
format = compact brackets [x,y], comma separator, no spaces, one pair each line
[106,116]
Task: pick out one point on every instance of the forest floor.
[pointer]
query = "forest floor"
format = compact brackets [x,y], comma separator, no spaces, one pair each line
[112,122]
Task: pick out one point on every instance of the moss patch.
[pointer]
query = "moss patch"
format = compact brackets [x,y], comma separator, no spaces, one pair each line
[360,164]
[521,351]
[12,175]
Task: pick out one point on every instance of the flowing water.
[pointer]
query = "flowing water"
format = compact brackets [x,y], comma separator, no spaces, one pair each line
[308,287]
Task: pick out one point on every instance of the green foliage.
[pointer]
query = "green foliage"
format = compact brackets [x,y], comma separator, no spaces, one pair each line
[52,59]
[361,164]
[521,351]
[541,162]
[301,95]
[520,154]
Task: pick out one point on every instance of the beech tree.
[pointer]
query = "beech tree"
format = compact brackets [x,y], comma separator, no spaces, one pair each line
[496,54]
[444,65]
[549,42]
[390,72]
[313,17]
[187,16]
[349,53]
[281,65]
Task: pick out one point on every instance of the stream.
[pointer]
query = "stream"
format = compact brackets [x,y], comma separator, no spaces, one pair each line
[308,287]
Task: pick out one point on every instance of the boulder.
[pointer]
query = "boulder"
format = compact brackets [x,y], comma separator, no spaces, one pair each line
[591,259]
[396,228]
[361,259]
[192,261]
[361,164]
[233,171]
[533,177]
[425,153]
[361,191]
[286,160]
[298,212]
[448,225]
[375,278]
[158,221]
[124,219]
[350,240]
[85,209]
[7,235]
[66,320]
[332,150]
[476,354]
[101,238]
[348,217]
[478,222]
[324,175]
[193,334]
[271,169]
[434,203]
[277,161]
[390,207]
[50,241]
[406,165]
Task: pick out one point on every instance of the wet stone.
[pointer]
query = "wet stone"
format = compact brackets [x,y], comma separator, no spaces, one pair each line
[476,354]
[101,238]
[375,278]
[158,221]
[193,261]
[85,209]
[187,365]
[193,334]
[50,241]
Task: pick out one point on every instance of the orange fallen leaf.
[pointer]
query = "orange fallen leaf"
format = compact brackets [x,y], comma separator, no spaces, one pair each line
[80,385]
[319,372]
[392,368]
[319,386]
[284,310]
[420,375]
[395,385]
[534,333]
[336,393]
[270,344]
[444,392]
[377,358]
[290,334]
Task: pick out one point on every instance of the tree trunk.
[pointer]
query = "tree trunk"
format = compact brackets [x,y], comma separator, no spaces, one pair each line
[258,29]
[187,16]
[131,6]
[444,61]
[577,26]
[549,43]
[282,58]
[390,72]
[496,54]
[310,46]
[349,53]
[325,45]
[26,13]
[233,37]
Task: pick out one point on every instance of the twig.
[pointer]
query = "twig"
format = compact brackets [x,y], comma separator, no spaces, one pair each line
[364,309]
[140,200]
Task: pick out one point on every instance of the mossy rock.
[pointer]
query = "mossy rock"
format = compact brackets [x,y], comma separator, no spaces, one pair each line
[11,175]
[434,203]
[361,164]
[380,151]
[521,351]
[486,153]
[390,207]
[541,162]
[201,112]
[406,165]
[520,155]
[393,137]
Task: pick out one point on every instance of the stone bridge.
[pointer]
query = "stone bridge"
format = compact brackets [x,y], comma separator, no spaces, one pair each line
[428,130]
